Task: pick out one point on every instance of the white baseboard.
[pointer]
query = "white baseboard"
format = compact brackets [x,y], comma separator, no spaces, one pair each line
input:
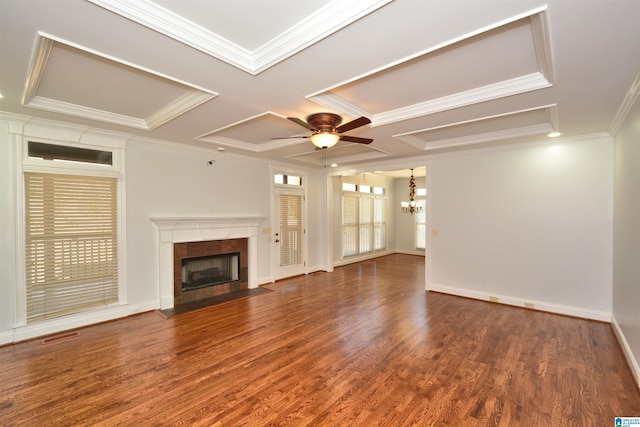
[359,258]
[413,252]
[567,310]
[626,350]
[22,333]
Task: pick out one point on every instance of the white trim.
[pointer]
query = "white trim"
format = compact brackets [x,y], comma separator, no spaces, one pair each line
[626,350]
[566,310]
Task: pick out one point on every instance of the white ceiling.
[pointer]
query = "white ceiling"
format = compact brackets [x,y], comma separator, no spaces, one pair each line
[432,75]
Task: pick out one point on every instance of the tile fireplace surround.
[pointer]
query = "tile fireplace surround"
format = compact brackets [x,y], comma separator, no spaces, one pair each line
[180,230]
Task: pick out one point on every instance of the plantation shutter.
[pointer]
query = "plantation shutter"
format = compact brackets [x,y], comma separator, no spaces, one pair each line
[421,226]
[350,218]
[380,235]
[366,224]
[71,244]
[290,229]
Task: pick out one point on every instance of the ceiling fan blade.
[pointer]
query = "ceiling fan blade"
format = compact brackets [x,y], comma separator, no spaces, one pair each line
[356,139]
[353,124]
[300,122]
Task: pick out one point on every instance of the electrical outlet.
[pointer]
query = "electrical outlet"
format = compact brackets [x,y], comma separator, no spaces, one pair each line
[493,299]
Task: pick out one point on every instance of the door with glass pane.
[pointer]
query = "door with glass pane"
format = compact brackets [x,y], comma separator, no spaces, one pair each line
[290,235]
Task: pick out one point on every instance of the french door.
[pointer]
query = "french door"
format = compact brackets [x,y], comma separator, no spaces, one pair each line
[290,234]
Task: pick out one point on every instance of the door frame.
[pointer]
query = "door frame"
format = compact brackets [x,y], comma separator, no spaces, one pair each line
[279,273]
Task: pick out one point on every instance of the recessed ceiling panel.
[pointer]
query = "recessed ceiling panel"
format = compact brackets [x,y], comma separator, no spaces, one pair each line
[479,61]
[258,133]
[341,153]
[503,60]
[536,121]
[71,80]
[79,77]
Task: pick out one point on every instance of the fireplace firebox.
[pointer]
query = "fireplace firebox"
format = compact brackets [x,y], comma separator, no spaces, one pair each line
[204,271]
[209,268]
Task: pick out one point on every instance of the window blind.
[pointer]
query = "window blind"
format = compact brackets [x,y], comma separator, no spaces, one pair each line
[71,244]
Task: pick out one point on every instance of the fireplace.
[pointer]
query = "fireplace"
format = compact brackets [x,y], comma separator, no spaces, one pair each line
[211,270]
[180,238]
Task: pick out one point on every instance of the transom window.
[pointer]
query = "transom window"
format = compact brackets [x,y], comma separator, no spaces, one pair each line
[282,179]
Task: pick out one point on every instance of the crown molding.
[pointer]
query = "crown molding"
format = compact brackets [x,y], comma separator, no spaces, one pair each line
[41,54]
[62,107]
[628,102]
[329,19]
[186,102]
[490,92]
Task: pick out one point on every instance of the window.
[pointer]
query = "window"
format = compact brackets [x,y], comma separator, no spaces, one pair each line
[71,231]
[350,225]
[421,220]
[363,219]
[283,179]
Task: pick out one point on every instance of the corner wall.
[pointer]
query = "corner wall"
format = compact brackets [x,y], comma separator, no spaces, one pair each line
[626,239]
[528,226]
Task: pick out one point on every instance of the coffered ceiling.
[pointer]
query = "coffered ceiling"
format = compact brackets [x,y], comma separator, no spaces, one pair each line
[432,76]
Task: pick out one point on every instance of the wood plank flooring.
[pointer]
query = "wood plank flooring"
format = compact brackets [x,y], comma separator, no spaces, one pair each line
[362,346]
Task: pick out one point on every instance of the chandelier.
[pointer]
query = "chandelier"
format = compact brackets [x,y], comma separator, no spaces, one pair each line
[411,206]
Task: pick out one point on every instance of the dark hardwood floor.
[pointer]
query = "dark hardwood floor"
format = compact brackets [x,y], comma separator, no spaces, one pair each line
[362,346]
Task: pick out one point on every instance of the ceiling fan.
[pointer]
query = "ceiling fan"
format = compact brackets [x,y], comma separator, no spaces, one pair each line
[327,130]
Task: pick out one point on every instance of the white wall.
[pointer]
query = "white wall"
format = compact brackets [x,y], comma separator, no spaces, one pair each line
[626,238]
[7,242]
[529,225]
[170,181]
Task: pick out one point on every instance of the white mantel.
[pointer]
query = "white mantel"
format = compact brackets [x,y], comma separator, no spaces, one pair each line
[199,229]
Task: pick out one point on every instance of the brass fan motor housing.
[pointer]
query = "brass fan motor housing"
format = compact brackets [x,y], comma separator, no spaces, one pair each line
[324,122]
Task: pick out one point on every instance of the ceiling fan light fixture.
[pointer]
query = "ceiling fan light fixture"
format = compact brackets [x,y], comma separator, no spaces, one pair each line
[324,139]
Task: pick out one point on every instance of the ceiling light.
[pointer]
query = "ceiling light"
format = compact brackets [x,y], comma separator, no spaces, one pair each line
[334,165]
[324,139]
[554,134]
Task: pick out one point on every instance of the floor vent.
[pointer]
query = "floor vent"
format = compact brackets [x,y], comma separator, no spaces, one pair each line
[60,338]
